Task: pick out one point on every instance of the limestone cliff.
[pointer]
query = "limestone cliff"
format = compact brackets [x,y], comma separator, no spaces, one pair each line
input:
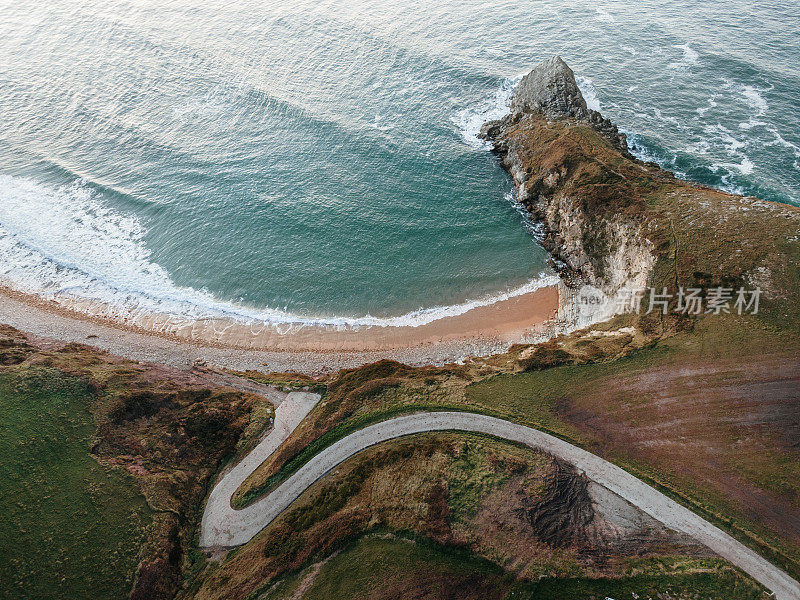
[612,221]
[608,252]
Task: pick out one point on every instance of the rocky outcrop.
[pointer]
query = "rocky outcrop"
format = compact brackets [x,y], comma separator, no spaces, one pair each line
[622,225]
[576,197]
[551,89]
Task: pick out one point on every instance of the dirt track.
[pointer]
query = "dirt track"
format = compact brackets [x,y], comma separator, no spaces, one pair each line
[222,526]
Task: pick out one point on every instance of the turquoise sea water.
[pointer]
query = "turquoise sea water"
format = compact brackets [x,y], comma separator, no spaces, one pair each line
[317,160]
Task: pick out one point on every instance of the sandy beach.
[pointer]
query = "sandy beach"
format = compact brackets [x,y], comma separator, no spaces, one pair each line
[311,349]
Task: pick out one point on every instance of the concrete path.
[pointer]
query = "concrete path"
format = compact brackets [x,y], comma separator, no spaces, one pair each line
[223,526]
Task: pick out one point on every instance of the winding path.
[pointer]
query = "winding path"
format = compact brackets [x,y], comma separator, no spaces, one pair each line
[222,526]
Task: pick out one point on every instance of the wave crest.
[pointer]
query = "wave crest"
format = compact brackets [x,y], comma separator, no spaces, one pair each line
[65,244]
[496,106]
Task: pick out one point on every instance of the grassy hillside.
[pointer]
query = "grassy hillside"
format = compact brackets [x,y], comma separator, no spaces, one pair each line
[71,527]
[104,464]
[451,514]
[388,567]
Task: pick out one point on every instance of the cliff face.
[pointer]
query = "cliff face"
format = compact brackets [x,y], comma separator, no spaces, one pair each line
[590,239]
[612,221]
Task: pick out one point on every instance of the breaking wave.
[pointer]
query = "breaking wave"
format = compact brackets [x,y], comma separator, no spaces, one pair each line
[66,244]
[470,120]
[586,86]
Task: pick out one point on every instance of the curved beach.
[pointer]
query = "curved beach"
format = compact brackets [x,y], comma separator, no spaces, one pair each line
[162,338]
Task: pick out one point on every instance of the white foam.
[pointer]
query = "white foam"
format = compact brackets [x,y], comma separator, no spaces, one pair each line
[700,147]
[642,152]
[470,120]
[689,58]
[66,244]
[727,186]
[757,103]
[734,148]
[745,167]
[779,141]
[667,119]
[747,126]
[586,86]
[711,104]
[603,15]
[629,49]
[755,100]
[732,145]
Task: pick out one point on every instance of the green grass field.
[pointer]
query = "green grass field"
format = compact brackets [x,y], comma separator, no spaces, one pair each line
[70,527]
[379,567]
[391,567]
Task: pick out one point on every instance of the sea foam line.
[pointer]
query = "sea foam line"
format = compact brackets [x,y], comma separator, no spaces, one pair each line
[496,106]
[65,244]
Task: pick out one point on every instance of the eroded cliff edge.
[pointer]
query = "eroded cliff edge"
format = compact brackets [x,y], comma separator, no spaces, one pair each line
[615,222]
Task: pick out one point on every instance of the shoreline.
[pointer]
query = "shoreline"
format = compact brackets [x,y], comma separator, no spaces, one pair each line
[480,331]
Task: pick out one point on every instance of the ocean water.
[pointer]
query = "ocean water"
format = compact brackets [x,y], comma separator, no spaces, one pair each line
[317,161]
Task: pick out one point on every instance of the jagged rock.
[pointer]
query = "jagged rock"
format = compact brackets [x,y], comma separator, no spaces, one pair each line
[550,88]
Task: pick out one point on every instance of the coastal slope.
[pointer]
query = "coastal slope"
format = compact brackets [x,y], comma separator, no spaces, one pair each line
[615,222]
[702,407]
